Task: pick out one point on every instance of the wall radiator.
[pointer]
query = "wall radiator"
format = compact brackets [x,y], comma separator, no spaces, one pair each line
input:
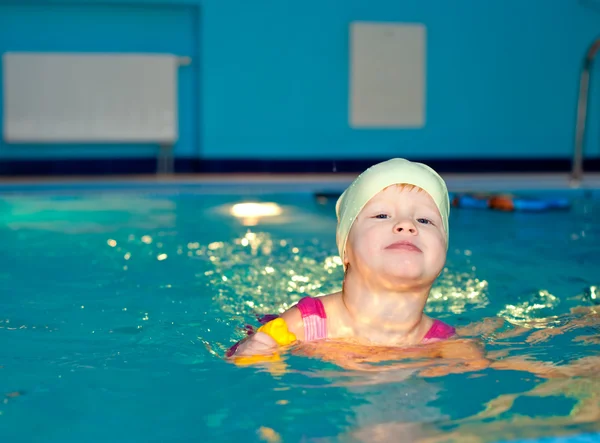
[92,98]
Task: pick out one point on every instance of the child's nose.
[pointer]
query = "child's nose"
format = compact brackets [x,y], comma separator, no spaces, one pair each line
[406,226]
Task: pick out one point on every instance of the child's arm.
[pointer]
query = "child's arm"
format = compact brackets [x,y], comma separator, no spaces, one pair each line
[282,331]
[458,356]
[258,343]
[467,356]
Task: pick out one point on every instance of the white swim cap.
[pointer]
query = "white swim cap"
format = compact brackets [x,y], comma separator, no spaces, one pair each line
[379,177]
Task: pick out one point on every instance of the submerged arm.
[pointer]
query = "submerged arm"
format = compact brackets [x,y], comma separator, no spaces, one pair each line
[266,341]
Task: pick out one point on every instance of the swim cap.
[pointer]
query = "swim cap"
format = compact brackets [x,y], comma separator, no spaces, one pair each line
[380,176]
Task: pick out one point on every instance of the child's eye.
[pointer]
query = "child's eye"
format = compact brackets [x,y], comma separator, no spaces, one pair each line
[381,216]
[425,221]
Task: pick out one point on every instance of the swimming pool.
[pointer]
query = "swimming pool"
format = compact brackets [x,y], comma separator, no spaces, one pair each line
[119,299]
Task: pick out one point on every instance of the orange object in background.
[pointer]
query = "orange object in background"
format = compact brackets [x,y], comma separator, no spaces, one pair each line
[502,203]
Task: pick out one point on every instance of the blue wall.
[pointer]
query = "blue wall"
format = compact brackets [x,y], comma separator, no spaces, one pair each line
[270,77]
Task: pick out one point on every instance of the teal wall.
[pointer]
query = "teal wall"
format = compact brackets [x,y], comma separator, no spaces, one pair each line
[269,78]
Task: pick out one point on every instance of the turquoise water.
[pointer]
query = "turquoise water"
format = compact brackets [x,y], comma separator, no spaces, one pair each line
[119,303]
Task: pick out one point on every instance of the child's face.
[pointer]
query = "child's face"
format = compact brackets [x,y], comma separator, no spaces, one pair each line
[399,234]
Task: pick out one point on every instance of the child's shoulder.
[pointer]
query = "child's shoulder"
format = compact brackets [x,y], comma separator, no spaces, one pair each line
[320,305]
[306,307]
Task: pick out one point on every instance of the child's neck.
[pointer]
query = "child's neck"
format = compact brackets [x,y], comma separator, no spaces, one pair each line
[385,316]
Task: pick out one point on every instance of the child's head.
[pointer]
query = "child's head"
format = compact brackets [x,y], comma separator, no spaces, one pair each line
[393,219]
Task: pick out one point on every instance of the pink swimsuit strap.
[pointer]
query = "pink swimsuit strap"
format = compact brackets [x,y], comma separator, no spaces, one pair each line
[439,331]
[314,318]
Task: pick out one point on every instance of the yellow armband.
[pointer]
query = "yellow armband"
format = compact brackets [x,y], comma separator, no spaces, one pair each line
[247,360]
[278,330]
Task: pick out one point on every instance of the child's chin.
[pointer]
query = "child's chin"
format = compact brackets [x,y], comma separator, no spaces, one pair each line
[405,274]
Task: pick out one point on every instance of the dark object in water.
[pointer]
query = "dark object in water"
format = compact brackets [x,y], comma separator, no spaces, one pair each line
[507,202]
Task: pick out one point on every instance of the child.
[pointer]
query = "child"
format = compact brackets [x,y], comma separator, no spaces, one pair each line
[392,235]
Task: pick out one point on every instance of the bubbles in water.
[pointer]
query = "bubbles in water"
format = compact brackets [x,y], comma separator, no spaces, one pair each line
[259,274]
[591,295]
[525,313]
[456,292]
[459,288]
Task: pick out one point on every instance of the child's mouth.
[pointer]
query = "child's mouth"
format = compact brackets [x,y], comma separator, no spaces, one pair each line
[404,245]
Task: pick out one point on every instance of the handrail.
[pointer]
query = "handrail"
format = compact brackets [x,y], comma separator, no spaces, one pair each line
[582,105]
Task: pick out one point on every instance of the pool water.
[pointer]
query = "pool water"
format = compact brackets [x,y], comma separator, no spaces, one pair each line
[118,305]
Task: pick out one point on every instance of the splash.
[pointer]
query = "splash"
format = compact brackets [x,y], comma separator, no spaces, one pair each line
[535,311]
